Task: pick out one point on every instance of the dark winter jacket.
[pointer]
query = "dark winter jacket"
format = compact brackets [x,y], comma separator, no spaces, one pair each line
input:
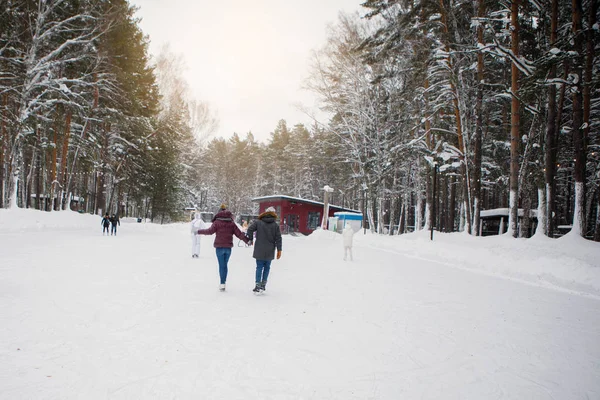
[114,221]
[268,236]
[105,221]
[225,228]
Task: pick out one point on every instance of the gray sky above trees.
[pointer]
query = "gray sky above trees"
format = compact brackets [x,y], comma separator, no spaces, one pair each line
[247,59]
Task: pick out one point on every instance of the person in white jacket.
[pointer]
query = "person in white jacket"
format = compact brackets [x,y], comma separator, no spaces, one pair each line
[195,225]
[348,235]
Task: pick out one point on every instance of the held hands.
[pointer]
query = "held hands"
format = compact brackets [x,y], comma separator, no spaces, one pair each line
[278,254]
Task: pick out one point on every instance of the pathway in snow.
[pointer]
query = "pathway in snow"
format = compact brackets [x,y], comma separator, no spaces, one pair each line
[135,317]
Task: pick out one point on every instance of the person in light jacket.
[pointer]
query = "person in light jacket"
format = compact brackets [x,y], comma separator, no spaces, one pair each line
[268,239]
[196,225]
[348,236]
[225,228]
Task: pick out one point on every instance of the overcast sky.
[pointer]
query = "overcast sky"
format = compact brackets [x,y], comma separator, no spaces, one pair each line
[247,59]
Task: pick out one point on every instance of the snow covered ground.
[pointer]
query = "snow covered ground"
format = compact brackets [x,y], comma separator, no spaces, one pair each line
[86,316]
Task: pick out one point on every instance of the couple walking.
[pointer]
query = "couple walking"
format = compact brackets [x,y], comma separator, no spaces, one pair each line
[268,239]
[112,221]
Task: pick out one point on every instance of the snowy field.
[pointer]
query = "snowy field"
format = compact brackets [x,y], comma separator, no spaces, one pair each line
[86,316]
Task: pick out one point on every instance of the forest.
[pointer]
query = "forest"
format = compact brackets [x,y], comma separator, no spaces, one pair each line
[440,109]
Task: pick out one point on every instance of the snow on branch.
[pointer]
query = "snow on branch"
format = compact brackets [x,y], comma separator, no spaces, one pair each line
[524,65]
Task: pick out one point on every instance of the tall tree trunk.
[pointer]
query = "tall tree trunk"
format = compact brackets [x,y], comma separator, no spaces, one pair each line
[63,162]
[101,188]
[525,219]
[380,221]
[393,202]
[541,213]
[371,213]
[38,181]
[597,231]
[452,205]
[588,76]
[30,174]
[479,125]
[428,169]
[444,204]
[44,185]
[23,180]
[577,128]
[401,219]
[3,147]
[559,120]
[589,65]
[514,123]
[461,217]
[419,212]
[53,171]
[100,199]
[459,130]
[551,131]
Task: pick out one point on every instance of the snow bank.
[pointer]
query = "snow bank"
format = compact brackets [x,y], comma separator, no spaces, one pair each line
[570,263]
[28,220]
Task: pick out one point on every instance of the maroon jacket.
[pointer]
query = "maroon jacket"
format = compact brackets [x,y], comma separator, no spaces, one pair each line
[225,228]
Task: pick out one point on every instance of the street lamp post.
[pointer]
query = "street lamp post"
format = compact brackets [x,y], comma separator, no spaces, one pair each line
[327,190]
[433,211]
[364,207]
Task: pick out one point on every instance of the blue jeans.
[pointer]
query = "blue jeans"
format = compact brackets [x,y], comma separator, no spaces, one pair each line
[262,270]
[223,254]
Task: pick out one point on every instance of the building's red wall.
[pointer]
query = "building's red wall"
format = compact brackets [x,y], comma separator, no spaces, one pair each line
[301,209]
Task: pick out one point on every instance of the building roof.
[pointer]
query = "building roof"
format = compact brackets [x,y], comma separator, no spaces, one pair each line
[348,215]
[299,200]
[503,212]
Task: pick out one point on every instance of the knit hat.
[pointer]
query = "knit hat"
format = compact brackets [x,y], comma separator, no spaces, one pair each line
[223,206]
[270,209]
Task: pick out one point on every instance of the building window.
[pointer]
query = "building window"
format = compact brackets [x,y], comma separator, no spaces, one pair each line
[313,220]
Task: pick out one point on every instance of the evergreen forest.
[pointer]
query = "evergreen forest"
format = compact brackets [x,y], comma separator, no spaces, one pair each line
[439,110]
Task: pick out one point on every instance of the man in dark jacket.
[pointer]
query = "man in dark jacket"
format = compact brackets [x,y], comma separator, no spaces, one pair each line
[105,224]
[225,228]
[268,238]
[114,220]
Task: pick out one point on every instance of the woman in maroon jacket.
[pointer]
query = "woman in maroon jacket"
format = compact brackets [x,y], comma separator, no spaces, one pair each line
[225,228]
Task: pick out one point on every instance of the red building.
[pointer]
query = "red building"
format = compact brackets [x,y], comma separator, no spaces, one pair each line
[295,214]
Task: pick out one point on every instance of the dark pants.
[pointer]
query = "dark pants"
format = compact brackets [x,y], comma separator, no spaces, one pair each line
[223,254]
[105,229]
[114,229]
[262,270]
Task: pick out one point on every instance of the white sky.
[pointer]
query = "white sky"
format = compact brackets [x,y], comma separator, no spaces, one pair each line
[247,59]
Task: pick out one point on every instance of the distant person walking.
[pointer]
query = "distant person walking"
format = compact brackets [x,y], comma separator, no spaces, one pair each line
[268,239]
[348,237]
[114,220]
[196,225]
[225,228]
[105,224]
